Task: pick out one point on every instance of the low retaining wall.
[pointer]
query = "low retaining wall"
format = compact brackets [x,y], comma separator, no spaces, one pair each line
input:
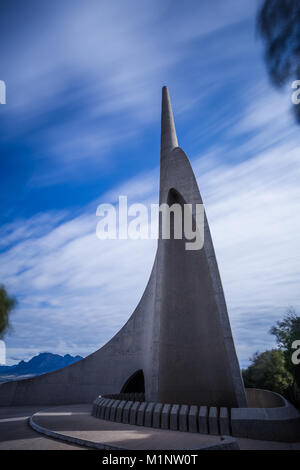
[123,408]
[259,398]
[269,416]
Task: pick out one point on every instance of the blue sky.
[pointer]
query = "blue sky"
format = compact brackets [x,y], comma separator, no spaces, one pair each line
[82,125]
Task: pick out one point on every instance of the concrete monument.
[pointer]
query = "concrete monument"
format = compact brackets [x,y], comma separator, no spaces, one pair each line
[173,364]
[177,346]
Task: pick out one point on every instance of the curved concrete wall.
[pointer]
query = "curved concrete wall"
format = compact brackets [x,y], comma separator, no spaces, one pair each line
[258,398]
[269,417]
[124,408]
[104,371]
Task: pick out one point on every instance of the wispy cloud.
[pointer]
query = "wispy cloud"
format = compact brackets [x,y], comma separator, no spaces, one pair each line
[85,79]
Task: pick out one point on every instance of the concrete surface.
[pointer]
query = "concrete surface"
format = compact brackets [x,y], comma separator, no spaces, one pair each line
[157,415]
[224,422]
[280,423]
[203,420]
[269,416]
[193,418]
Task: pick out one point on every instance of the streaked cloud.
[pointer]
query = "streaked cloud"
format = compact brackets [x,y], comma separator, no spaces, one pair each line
[85,80]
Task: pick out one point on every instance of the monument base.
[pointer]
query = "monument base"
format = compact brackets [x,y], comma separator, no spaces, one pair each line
[269,416]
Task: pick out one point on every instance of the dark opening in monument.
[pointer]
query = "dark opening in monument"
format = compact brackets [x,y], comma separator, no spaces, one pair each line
[174,197]
[135,383]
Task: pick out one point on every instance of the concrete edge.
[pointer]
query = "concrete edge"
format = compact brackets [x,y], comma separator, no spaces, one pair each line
[280,423]
[70,439]
[227,442]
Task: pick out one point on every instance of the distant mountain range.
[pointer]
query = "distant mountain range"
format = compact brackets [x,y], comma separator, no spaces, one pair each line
[43,362]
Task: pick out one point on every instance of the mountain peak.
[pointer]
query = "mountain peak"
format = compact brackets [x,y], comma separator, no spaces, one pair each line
[39,364]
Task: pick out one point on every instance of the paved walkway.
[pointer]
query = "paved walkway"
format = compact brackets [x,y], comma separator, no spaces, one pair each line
[75,421]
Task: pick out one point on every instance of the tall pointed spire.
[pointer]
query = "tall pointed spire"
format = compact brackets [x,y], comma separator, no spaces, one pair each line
[168,131]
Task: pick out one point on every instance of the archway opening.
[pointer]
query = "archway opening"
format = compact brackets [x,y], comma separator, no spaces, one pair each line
[135,383]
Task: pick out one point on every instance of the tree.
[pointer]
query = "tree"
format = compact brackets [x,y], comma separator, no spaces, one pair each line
[278,23]
[268,371]
[286,332]
[274,370]
[7,304]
